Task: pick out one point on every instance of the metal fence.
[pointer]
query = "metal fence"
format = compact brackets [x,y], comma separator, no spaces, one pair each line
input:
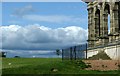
[75,52]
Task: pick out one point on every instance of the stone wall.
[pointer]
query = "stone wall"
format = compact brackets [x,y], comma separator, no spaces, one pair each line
[98,13]
[112,51]
[98,35]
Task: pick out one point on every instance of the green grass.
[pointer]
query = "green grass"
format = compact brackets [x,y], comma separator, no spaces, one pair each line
[44,66]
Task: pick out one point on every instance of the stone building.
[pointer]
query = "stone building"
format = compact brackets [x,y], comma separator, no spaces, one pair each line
[99,33]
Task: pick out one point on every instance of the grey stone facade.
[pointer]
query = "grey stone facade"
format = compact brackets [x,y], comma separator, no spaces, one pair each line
[98,11]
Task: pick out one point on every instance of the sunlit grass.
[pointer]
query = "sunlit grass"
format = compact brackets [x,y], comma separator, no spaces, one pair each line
[44,66]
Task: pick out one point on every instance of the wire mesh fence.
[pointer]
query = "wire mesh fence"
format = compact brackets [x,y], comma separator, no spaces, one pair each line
[75,52]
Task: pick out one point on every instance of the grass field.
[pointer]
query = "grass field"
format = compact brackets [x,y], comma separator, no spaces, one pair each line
[44,66]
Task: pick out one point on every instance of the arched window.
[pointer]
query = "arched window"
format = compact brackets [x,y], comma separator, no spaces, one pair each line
[108,23]
[119,15]
[107,18]
[97,23]
[119,21]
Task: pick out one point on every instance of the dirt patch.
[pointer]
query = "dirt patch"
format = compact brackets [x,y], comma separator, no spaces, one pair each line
[102,65]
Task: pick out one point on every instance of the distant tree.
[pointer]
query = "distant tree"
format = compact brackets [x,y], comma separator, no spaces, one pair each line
[17,57]
[58,52]
[3,54]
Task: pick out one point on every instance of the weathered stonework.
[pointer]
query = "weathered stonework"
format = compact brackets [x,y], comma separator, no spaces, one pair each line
[99,37]
[98,11]
[112,51]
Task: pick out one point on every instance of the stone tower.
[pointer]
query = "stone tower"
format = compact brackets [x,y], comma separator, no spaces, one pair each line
[98,12]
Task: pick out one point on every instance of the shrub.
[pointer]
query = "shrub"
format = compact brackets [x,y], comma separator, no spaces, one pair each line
[82,65]
[17,57]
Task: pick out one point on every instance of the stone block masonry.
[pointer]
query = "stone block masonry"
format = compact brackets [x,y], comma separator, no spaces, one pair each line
[99,37]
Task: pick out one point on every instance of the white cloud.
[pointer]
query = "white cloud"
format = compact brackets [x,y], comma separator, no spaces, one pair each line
[36,37]
[53,18]
[19,12]
[26,14]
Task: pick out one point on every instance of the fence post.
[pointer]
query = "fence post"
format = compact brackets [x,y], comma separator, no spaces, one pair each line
[86,50]
[62,54]
[75,52]
[70,53]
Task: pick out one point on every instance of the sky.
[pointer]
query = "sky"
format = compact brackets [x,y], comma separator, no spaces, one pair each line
[42,27]
[63,14]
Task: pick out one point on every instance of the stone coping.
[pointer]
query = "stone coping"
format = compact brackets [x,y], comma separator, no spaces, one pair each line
[103,46]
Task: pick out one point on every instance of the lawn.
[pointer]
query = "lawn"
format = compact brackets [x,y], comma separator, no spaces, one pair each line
[44,66]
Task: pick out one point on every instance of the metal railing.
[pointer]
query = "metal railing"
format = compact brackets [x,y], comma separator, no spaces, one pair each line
[75,52]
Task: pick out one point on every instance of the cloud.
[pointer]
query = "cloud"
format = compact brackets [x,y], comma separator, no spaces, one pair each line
[25,13]
[36,37]
[19,12]
[53,18]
